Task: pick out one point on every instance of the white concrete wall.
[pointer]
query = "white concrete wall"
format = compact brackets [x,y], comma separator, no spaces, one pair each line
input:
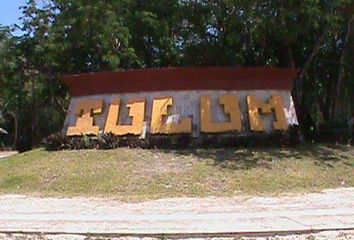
[187,104]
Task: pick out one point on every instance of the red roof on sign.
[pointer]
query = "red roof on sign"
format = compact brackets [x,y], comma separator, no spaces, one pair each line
[203,78]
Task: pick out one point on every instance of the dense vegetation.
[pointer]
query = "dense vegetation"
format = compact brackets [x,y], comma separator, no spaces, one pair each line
[74,36]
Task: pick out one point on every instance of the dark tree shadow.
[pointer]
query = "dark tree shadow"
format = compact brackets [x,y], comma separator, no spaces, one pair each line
[248,158]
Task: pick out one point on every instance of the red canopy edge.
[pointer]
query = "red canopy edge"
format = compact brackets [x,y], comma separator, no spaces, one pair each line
[180,79]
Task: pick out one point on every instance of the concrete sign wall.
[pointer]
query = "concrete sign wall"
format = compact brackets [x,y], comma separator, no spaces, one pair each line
[181,101]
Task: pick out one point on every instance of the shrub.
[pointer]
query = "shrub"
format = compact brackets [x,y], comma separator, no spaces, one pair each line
[109,141]
[336,132]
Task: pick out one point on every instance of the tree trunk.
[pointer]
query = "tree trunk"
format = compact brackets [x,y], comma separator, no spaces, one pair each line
[51,91]
[34,113]
[339,83]
[300,77]
[300,109]
[14,143]
[291,61]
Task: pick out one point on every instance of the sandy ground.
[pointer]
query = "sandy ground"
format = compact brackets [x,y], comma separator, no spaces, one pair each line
[5,154]
[340,235]
[331,211]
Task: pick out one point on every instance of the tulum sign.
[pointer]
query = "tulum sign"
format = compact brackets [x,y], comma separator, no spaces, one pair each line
[195,101]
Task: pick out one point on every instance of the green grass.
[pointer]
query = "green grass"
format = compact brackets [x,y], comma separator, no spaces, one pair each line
[137,174]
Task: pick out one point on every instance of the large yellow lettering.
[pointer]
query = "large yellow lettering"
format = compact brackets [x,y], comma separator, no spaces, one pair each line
[136,112]
[255,106]
[231,107]
[85,122]
[159,112]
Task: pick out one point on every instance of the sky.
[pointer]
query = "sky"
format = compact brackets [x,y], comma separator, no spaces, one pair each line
[9,12]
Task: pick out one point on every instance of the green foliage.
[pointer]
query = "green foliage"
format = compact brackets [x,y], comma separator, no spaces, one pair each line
[75,36]
[57,142]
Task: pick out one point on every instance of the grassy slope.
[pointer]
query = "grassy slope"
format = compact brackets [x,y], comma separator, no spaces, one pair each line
[137,174]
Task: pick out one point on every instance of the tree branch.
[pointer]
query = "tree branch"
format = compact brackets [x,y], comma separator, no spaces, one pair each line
[341,70]
[300,77]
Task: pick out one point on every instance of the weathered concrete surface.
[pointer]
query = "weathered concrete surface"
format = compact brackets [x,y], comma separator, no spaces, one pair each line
[187,104]
[329,210]
[324,235]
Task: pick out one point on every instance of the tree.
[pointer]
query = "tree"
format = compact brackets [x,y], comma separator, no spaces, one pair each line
[75,36]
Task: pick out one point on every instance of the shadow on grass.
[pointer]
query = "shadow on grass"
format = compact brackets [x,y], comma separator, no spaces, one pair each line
[248,158]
